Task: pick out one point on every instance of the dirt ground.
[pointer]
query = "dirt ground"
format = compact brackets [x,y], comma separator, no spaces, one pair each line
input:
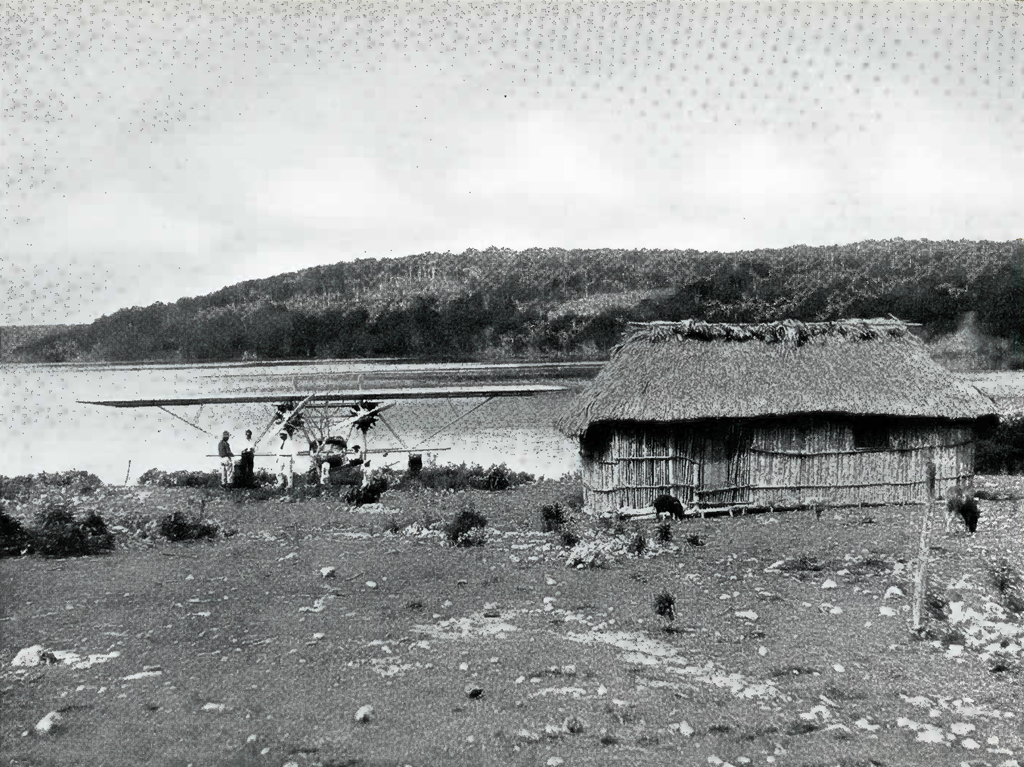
[789,646]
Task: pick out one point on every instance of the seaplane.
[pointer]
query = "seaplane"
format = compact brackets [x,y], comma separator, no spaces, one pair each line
[332,422]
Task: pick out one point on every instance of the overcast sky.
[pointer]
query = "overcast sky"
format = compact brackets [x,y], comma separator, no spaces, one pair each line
[155,151]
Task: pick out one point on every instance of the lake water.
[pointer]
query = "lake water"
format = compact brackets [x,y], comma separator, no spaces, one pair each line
[46,429]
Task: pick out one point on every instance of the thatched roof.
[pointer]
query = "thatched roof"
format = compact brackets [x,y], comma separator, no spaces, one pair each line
[689,371]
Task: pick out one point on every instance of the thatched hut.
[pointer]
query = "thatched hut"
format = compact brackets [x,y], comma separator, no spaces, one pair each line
[772,415]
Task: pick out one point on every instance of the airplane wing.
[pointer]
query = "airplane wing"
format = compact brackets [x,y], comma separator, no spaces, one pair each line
[341,398]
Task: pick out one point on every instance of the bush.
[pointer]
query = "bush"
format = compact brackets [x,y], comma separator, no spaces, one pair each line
[15,488]
[158,478]
[552,518]
[370,492]
[14,539]
[664,533]
[463,477]
[695,540]
[184,526]
[569,538]
[466,528]
[638,545]
[58,534]
[665,606]
[1002,450]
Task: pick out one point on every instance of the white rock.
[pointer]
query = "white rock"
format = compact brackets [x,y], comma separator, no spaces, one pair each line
[33,656]
[962,728]
[865,724]
[371,584]
[364,714]
[888,612]
[50,723]
[830,584]
[555,761]
[838,667]
[930,734]
[762,650]
[970,744]
[218,707]
[748,614]
[893,592]
[533,737]
[328,572]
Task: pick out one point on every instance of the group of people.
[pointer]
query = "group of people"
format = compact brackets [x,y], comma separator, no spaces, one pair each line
[242,474]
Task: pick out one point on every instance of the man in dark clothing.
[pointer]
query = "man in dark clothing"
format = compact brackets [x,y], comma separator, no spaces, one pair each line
[247,461]
[227,463]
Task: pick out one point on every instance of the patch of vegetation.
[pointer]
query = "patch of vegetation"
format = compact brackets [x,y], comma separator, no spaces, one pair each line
[665,606]
[569,538]
[18,488]
[638,545]
[695,540]
[552,517]
[937,606]
[58,534]
[187,526]
[158,478]
[466,528]
[370,491]
[463,477]
[664,533]
[802,564]
[1008,582]
[14,539]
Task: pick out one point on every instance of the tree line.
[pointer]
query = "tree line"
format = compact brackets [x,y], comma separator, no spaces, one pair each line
[555,302]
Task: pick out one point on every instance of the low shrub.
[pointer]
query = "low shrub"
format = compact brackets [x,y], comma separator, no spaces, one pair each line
[569,538]
[664,534]
[466,528]
[186,526]
[158,478]
[58,534]
[665,606]
[463,477]
[1009,584]
[638,545]
[370,492]
[552,518]
[14,539]
[803,564]
[16,488]
[695,540]
[937,606]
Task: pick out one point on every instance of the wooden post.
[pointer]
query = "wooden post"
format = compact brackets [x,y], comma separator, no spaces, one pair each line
[128,473]
[920,577]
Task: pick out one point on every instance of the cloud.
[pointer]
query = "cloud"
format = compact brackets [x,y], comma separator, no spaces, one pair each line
[542,157]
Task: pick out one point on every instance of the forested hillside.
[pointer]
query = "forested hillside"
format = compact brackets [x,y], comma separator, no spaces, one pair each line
[552,302]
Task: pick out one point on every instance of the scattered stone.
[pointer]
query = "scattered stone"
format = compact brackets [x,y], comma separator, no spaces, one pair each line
[962,728]
[970,744]
[474,691]
[526,735]
[762,650]
[865,724]
[555,761]
[34,656]
[50,723]
[750,615]
[364,714]
[328,572]
[888,612]
[218,707]
[189,577]
[838,667]
[893,592]
[683,728]
[830,584]
[371,584]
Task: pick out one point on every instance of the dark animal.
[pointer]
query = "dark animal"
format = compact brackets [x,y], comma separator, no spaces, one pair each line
[666,505]
[960,500]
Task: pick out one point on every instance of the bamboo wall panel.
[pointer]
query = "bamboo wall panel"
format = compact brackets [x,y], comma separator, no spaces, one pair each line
[783,463]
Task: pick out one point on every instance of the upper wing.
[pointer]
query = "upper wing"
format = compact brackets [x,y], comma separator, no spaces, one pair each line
[343,397]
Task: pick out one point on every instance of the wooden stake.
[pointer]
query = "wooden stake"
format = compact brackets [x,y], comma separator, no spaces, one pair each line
[920,577]
[128,473]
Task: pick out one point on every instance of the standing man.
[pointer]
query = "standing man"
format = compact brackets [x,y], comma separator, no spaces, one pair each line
[285,460]
[227,464]
[248,460]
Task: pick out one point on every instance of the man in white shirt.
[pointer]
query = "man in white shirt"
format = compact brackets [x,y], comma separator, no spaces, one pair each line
[286,452]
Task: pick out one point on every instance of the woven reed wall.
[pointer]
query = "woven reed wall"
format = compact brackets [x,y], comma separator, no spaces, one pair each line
[782,462]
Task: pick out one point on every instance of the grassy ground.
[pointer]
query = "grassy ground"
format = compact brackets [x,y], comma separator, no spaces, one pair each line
[250,657]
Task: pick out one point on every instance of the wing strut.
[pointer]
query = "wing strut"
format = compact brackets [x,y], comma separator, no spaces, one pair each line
[183,420]
[291,415]
[452,423]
